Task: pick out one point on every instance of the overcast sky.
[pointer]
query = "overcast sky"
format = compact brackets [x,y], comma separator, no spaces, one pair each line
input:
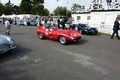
[52,4]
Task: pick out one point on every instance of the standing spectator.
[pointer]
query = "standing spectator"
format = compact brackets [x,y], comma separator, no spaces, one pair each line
[38,22]
[116,28]
[58,22]
[7,26]
[25,21]
[10,20]
[63,23]
[17,21]
[43,21]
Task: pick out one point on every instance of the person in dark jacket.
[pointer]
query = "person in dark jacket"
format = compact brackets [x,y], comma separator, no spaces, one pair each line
[58,21]
[63,23]
[116,28]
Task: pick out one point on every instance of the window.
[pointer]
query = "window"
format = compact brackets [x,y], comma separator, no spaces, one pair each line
[78,17]
[88,17]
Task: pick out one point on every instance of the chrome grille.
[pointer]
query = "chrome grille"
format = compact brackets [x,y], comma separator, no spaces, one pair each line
[4,46]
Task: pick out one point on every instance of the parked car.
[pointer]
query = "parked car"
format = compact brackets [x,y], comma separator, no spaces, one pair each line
[6,43]
[68,25]
[21,22]
[1,20]
[31,22]
[63,36]
[85,29]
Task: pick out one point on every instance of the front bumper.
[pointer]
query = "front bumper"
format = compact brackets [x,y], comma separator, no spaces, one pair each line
[75,39]
[6,47]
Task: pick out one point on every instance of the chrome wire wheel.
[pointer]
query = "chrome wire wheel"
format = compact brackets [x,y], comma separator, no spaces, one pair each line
[63,40]
[40,35]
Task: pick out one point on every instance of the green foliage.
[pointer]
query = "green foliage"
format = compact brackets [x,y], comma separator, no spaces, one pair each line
[8,8]
[45,12]
[1,8]
[15,9]
[26,7]
[62,11]
[35,7]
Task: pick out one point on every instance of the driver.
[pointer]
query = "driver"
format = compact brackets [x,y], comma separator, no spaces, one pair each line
[48,26]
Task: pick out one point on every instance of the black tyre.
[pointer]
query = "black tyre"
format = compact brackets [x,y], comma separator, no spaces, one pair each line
[41,36]
[63,40]
[96,33]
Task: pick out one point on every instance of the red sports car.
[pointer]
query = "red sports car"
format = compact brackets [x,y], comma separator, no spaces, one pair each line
[63,36]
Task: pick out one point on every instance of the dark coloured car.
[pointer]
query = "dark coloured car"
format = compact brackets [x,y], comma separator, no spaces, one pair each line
[85,29]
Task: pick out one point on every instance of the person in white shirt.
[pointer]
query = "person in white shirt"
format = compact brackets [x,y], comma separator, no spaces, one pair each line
[25,21]
[7,26]
[38,22]
[17,21]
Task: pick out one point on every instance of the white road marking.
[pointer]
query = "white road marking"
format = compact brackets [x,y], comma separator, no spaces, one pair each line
[85,61]
[37,60]
[24,57]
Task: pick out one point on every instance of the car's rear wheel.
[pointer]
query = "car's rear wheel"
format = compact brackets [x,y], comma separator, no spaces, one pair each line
[63,40]
[41,36]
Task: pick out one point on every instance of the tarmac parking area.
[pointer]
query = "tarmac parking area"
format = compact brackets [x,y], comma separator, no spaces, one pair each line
[95,57]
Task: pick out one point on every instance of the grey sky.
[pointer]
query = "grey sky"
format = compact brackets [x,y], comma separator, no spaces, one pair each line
[52,4]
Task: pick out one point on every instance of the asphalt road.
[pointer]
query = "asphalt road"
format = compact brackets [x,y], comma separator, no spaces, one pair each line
[93,58]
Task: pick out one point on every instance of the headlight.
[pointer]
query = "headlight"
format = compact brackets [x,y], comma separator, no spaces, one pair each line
[71,37]
[12,41]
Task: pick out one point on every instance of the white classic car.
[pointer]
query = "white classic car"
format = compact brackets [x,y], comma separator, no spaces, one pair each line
[6,43]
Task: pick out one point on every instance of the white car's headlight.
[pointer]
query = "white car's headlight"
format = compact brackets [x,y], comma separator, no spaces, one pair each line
[12,41]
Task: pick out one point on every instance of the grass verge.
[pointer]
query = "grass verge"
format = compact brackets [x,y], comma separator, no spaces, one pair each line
[106,35]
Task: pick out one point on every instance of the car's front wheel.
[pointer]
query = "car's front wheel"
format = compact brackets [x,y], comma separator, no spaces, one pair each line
[63,40]
[41,36]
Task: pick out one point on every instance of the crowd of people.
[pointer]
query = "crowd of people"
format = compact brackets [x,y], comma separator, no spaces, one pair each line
[49,22]
[58,22]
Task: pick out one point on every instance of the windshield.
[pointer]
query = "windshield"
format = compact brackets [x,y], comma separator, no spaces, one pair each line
[83,26]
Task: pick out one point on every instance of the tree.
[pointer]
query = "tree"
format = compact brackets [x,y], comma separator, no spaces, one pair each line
[26,7]
[8,8]
[15,9]
[45,12]
[1,9]
[31,7]
[37,6]
[62,11]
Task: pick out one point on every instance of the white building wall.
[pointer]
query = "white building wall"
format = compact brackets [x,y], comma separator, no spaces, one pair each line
[103,21]
[83,18]
[74,16]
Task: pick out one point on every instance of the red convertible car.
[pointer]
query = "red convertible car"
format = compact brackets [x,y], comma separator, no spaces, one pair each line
[63,36]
